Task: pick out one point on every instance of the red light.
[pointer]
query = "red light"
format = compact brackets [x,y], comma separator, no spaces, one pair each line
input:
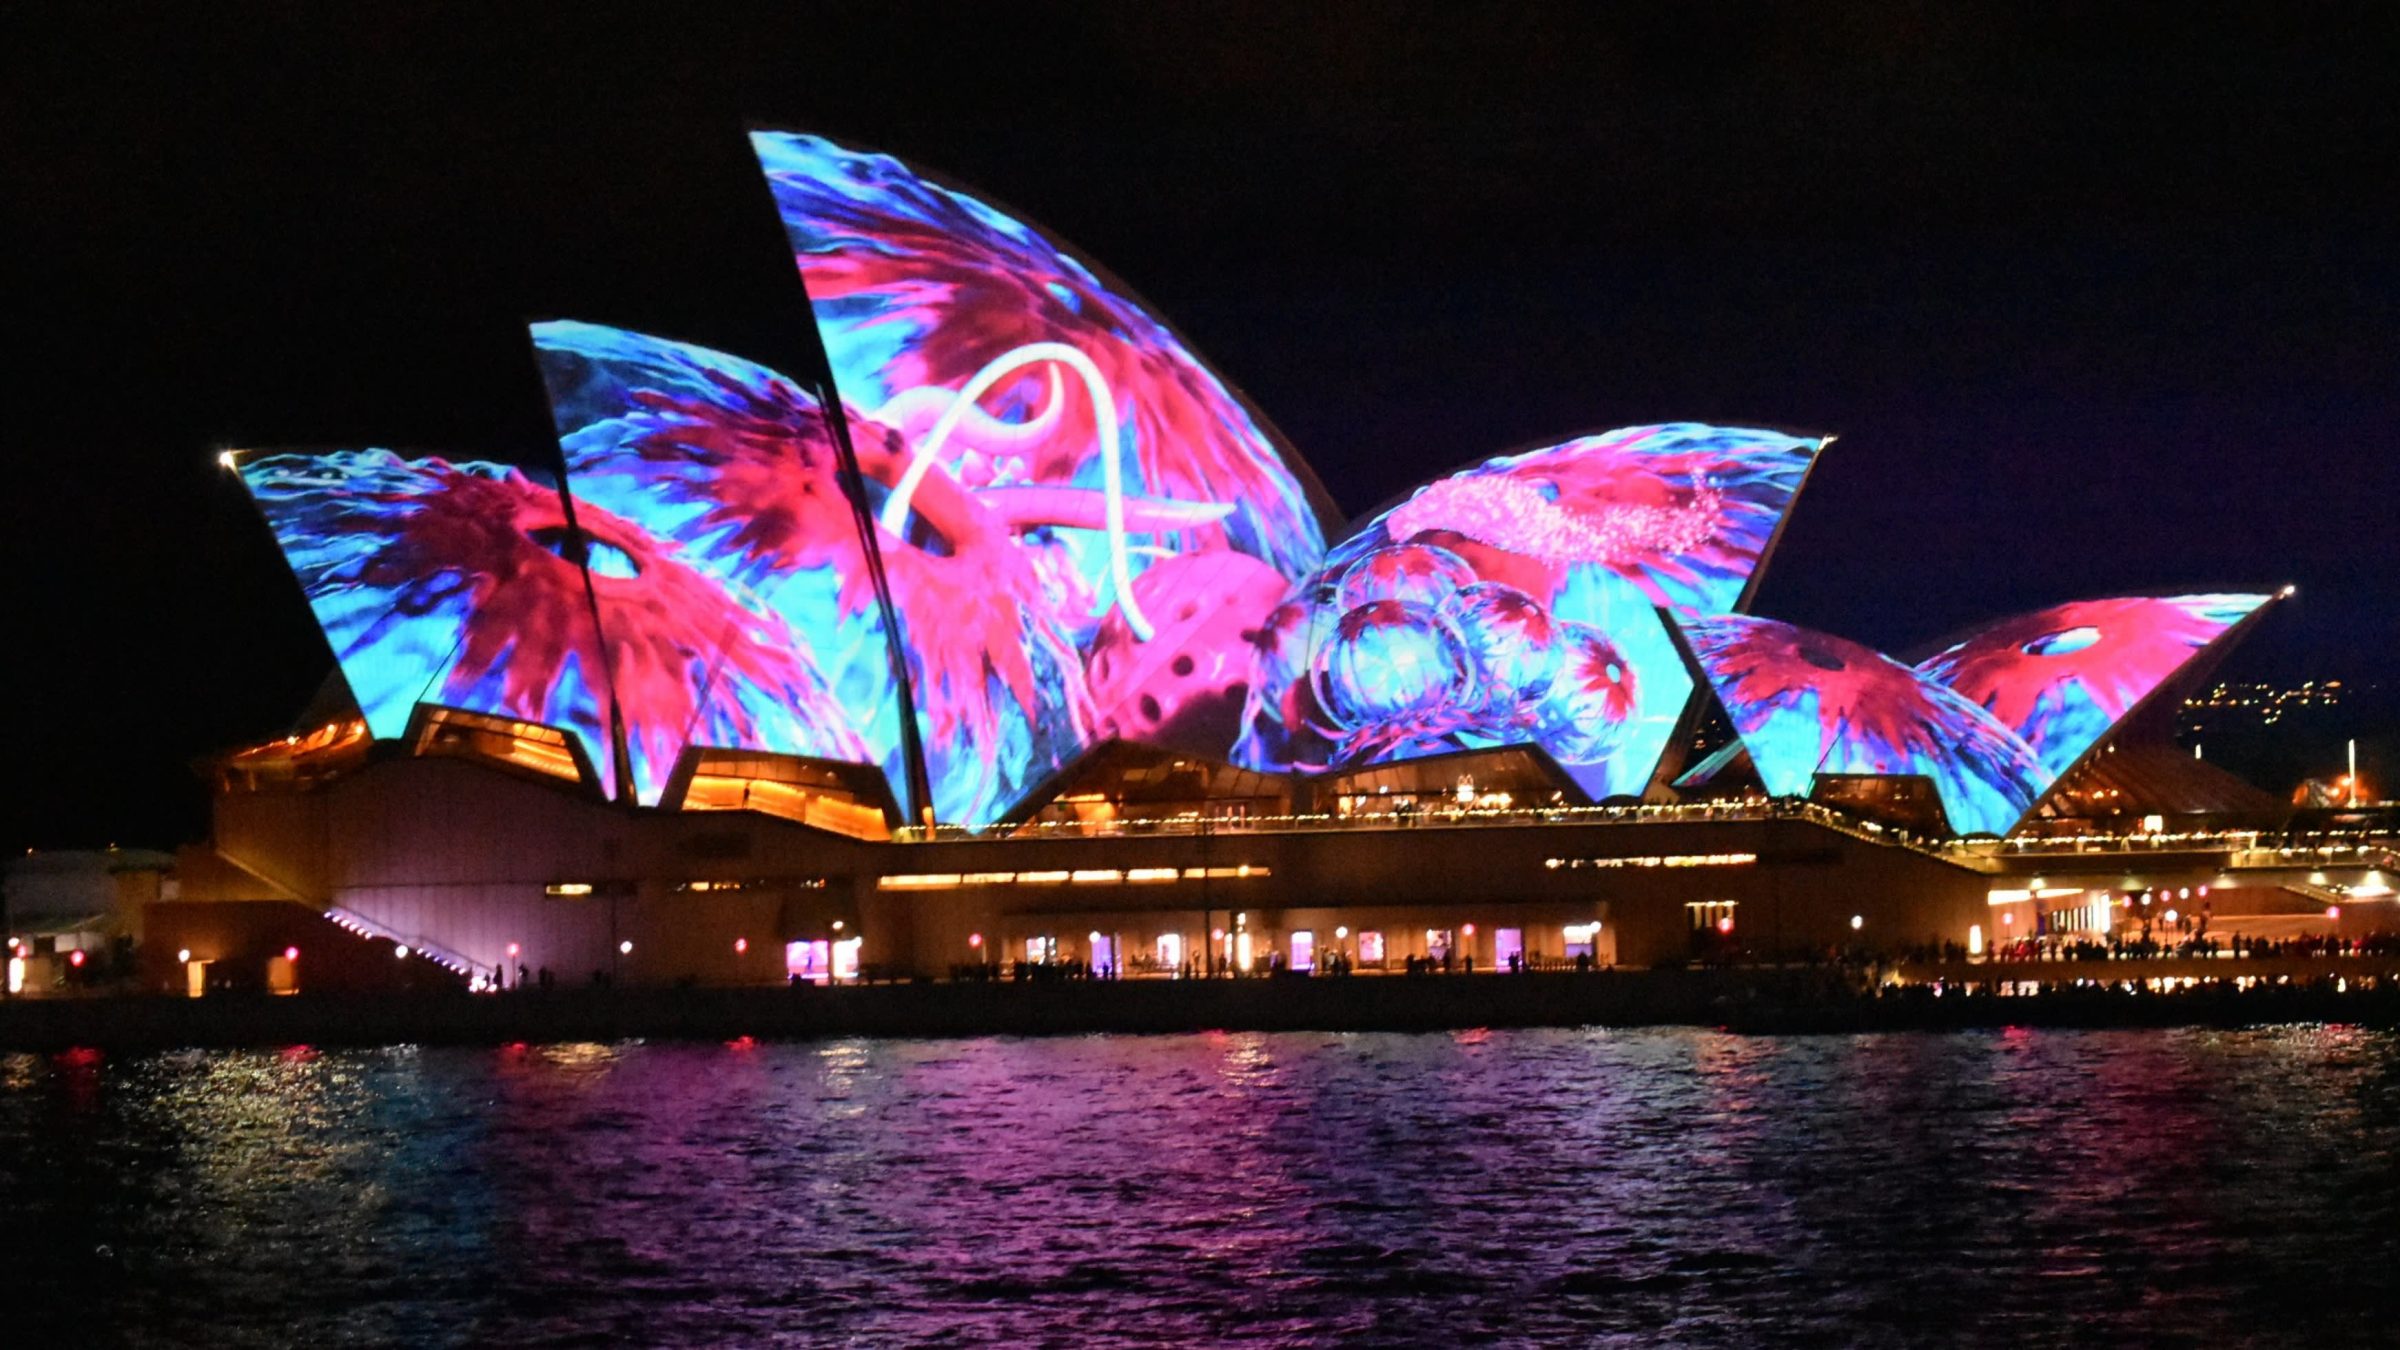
[512,950]
[974,939]
[1725,925]
[740,945]
[75,958]
[291,953]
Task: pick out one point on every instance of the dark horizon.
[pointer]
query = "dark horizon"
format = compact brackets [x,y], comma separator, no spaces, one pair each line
[2093,309]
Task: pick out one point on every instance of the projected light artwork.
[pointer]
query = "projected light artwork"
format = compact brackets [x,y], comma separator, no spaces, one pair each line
[1517,601]
[1805,703]
[2061,677]
[451,584]
[1073,510]
[732,466]
[1064,529]
[1993,720]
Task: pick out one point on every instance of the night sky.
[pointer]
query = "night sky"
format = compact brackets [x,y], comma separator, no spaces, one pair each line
[2094,307]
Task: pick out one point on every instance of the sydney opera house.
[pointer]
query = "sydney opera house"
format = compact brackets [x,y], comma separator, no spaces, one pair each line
[1016,635]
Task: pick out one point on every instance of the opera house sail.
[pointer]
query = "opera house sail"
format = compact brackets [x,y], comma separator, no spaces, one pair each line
[1024,521]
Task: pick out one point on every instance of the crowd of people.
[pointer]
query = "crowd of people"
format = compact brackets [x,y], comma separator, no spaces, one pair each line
[2378,943]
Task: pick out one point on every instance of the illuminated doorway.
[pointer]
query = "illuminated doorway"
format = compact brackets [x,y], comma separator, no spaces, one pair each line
[1508,948]
[822,962]
[1304,950]
[1582,939]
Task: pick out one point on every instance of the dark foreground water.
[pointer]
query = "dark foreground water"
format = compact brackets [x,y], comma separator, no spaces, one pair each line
[1578,1187]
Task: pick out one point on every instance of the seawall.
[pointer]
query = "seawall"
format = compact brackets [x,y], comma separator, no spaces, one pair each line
[1761,1001]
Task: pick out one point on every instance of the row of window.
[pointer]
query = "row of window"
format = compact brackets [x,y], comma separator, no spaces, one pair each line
[1168,951]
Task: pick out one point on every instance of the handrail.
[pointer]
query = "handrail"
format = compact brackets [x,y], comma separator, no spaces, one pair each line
[365,927]
[1442,818]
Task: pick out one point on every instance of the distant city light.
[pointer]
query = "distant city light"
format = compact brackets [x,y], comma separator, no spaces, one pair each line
[401,951]
[183,956]
[1857,921]
[625,948]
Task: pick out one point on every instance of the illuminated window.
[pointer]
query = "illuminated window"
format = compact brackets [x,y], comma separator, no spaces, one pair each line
[1438,942]
[1580,939]
[918,881]
[783,786]
[1304,950]
[527,745]
[1370,946]
[1507,943]
[810,961]
[1170,950]
[1711,915]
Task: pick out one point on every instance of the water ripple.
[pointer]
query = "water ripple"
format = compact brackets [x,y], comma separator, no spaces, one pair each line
[1579,1187]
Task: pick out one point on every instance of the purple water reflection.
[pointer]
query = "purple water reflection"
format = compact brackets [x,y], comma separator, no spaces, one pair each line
[1562,1186]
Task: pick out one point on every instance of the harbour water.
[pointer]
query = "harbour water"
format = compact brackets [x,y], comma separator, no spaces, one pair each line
[1581,1187]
